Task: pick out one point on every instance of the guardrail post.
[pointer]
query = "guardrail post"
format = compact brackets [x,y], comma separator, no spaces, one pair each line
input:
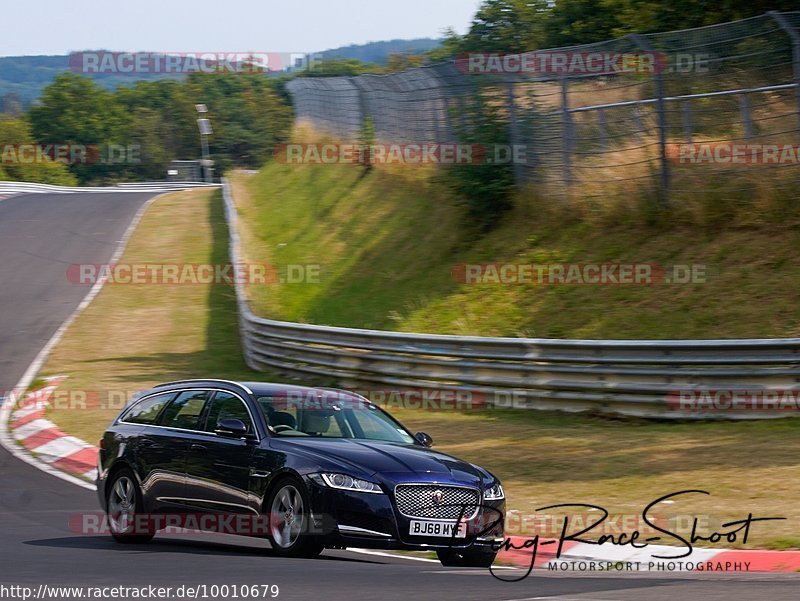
[661,111]
[794,35]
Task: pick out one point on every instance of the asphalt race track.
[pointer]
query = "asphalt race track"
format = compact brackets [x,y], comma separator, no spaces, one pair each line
[40,235]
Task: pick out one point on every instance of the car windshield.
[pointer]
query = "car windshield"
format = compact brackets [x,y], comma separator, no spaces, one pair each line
[330,415]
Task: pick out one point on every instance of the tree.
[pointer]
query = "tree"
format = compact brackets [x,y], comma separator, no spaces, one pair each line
[572,22]
[508,26]
[511,26]
[15,133]
[331,67]
[250,112]
[73,110]
[400,61]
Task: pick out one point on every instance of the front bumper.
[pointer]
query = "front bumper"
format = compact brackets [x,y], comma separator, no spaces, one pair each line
[372,521]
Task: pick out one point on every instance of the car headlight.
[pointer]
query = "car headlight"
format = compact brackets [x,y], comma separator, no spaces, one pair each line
[345,482]
[494,493]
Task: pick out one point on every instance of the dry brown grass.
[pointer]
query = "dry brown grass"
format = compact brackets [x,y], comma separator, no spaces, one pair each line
[134,336]
[545,459]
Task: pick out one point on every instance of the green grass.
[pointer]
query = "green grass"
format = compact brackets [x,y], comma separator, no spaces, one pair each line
[387,243]
[371,236]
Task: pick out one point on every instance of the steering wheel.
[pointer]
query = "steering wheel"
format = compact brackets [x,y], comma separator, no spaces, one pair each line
[281,428]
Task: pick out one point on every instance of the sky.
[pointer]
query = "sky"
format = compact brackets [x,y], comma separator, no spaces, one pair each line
[59,27]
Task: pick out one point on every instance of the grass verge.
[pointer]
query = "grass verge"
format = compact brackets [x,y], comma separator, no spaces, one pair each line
[134,336]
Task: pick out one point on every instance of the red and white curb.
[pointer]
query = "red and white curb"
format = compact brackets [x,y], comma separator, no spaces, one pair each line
[587,557]
[45,440]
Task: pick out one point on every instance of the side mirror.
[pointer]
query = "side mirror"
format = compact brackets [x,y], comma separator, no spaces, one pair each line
[233,428]
[424,439]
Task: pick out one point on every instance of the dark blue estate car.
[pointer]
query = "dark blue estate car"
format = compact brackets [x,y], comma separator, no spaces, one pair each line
[309,468]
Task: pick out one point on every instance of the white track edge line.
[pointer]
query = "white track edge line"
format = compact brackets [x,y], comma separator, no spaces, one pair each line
[412,558]
[394,555]
[6,440]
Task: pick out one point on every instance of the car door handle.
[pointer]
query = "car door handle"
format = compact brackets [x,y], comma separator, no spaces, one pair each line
[150,444]
[197,447]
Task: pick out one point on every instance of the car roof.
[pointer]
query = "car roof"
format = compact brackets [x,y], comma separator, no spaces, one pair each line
[254,388]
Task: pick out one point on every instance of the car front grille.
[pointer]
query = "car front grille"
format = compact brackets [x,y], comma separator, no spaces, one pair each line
[420,501]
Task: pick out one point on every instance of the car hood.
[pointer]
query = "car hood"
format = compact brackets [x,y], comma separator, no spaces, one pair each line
[393,460]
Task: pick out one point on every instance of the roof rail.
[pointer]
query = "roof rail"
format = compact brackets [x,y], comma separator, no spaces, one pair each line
[195,380]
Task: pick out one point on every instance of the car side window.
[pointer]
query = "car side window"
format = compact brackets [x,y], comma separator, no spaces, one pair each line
[225,405]
[185,411]
[146,411]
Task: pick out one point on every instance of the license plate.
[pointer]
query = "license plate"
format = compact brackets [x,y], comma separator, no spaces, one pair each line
[442,529]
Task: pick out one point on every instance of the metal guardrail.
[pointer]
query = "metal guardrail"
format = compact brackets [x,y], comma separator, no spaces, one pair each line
[631,377]
[35,188]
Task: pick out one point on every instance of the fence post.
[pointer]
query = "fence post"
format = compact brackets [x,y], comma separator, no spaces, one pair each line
[794,35]
[687,120]
[513,131]
[747,119]
[662,117]
[566,131]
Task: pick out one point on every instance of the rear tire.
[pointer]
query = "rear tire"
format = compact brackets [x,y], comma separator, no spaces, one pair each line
[123,503]
[467,558]
[289,521]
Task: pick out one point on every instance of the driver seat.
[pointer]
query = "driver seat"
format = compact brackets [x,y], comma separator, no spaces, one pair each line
[282,418]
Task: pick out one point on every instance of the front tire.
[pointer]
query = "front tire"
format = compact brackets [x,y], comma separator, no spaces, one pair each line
[123,502]
[467,558]
[290,521]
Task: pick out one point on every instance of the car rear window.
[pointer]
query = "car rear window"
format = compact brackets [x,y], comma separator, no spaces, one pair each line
[146,411]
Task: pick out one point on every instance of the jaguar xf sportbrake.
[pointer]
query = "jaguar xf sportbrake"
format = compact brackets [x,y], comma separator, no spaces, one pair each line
[317,468]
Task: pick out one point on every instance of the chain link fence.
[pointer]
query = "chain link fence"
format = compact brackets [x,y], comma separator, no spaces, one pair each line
[643,110]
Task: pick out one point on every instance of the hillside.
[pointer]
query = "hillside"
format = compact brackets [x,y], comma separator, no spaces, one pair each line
[389,244]
[378,52]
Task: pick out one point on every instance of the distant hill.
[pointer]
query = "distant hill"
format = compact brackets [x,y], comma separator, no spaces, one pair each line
[26,76]
[378,52]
